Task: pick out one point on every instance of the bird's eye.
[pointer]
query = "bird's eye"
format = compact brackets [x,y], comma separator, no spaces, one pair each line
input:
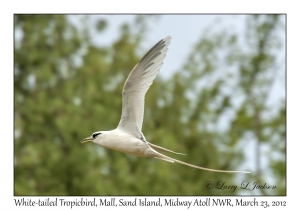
[95,135]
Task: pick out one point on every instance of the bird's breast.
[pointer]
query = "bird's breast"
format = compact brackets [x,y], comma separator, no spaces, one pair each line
[127,144]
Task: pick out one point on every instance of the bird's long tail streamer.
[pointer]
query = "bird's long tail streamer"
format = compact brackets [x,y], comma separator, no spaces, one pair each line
[169,159]
[163,149]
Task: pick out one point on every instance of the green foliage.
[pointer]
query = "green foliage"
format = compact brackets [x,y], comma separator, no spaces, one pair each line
[65,88]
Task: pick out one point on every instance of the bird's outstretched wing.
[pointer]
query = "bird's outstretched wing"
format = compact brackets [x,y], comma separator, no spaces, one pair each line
[136,86]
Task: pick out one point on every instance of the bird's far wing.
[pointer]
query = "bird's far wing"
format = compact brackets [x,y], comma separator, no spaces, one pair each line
[136,86]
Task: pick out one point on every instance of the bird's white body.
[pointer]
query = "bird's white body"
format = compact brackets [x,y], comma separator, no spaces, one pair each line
[123,142]
[128,136]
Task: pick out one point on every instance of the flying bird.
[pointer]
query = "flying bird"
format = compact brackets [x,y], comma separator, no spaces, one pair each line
[128,136]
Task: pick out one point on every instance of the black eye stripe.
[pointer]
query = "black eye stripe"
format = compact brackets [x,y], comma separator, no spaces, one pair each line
[95,135]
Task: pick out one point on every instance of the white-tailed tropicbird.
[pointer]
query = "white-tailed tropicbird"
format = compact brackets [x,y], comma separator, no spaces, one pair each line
[128,136]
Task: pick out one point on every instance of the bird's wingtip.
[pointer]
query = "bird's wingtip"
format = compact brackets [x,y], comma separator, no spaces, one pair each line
[167,38]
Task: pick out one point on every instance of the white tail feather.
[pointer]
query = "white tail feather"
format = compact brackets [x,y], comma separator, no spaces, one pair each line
[163,149]
[172,160]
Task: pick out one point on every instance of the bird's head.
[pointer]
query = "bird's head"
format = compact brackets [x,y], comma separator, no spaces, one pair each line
[94,137]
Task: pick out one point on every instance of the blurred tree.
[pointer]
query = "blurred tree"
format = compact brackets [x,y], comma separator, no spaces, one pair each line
[48,115]
[256,118]
[66,88]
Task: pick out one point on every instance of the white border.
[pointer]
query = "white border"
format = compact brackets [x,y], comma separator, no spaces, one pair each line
[8,8]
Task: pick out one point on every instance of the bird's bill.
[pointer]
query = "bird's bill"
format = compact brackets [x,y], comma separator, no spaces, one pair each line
[87,139]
